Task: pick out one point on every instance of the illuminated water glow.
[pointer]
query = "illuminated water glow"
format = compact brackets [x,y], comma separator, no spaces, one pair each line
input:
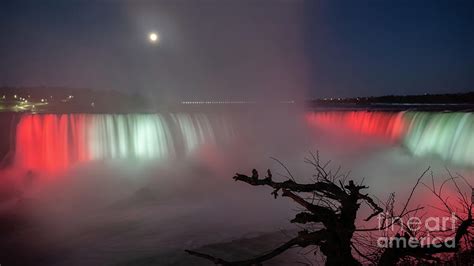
[129,136]
[55,142]
[449,136]
[387,125]
[50,141]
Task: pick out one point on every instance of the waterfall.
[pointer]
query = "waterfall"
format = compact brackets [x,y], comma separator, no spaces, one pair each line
[195,131]
[449,136]
[129,136]
[57,141]
[388,125]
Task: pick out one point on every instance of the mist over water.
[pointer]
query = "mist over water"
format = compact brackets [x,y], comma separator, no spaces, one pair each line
[107,189]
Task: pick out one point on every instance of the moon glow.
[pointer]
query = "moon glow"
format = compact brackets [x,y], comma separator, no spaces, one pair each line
[153,37]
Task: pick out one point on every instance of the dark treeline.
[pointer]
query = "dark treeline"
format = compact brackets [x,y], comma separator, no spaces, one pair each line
[452,98]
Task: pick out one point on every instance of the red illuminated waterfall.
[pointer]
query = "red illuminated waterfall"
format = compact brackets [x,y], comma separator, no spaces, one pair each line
[390,126]
[50,142]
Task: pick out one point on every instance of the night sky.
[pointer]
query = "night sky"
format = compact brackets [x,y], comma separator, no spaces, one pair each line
[240,49]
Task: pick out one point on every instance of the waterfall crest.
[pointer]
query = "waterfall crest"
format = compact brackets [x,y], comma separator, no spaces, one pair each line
[387,125]
[449,136]
[56,141]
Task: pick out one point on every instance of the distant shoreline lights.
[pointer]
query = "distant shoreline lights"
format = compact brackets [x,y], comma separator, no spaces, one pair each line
[231,102]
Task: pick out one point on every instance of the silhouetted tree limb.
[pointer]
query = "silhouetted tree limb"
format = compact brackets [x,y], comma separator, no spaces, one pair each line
[332,204]
[394,254]
[329,189]
[303,239]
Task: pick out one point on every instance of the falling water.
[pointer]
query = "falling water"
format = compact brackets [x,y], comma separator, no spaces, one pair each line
[388,125]
[196,130]
[129,136]
[55,142]
[449,136]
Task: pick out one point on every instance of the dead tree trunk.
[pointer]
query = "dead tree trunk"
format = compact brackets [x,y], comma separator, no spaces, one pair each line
[336,210]
[333,204]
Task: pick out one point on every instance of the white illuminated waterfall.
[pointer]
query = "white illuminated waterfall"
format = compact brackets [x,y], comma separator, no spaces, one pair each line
[134,136]
[195,130]
[447,135]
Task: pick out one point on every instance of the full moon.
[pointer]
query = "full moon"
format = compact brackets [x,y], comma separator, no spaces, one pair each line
[153,37]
